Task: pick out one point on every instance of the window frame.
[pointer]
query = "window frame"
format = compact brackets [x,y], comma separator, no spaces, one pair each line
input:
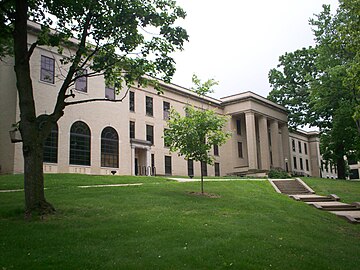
[149,106]
[132,129]
[44,71]
[107,89]
[150,133]
[216,150]
[217,168]
[238,127]
[109,149]
[81,80]
[240,150]
[51,145]
[168,165]
[166,110]
[82,154]
[131,101]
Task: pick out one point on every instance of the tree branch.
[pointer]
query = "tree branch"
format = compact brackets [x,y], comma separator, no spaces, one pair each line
[31,50]
[96,99]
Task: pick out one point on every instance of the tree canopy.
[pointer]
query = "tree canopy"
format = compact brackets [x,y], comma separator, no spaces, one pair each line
[320,85]
[122,40]
[194,134]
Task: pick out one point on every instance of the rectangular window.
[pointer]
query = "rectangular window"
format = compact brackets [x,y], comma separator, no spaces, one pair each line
[204,168]
[110,93]
[307,164]
[168,169]
[47,72]
[293,145]
[190,166]
[81,81]
[305,148]
[240,150]
[216,150]
[299,144]
[217,169]
[149,106]
[238,126]
[301,164]
[295,164]
[132,101]
[166,110]
[132,129]
[150,133]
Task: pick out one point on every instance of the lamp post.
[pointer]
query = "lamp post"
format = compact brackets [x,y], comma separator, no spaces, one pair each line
[286,165]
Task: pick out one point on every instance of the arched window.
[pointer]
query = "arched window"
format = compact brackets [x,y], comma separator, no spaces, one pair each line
[80,144]
[109,148]
[51,146]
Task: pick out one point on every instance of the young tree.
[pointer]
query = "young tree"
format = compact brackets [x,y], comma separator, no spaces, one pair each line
[121,50]
[319,86]
[194,134]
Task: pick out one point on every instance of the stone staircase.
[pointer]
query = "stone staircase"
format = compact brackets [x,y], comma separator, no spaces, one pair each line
[298,190]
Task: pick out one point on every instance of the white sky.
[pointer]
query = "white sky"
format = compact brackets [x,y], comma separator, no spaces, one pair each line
[237,42]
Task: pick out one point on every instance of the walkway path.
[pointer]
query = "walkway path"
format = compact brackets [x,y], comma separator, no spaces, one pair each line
[298,190]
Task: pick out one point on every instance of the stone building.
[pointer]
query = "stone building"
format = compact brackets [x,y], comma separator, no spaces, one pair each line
[126,137]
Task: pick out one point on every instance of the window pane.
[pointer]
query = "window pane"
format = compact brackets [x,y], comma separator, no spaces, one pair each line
[216,150]
[132,129]
[238,126]
[80,144]
[240,150]
[149,106]
[150,133]
[110,93]
[132,101]
[109,148]
[166,108]
[168,169]
[47,71]
[51,146]
[217,169]
[190,164]
[81,82]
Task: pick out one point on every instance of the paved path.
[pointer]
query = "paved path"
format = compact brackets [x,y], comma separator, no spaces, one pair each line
[184,180]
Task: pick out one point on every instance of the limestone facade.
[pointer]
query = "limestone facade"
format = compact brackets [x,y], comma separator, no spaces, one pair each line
[260,136]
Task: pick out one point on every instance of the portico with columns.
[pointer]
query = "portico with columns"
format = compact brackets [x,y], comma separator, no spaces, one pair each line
[263,141]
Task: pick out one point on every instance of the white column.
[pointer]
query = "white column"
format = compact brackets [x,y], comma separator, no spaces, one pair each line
[286,146]
[274,133]
[251,140]
[148,161]
[264,143]
[132,160]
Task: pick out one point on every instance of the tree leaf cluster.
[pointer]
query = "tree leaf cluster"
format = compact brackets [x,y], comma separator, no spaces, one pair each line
[320,85]
[194,134]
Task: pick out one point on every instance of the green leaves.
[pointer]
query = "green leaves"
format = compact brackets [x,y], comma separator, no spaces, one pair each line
[320,86]
[202,89]
[194,134]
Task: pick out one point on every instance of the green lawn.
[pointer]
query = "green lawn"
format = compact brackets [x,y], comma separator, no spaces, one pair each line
[160,226]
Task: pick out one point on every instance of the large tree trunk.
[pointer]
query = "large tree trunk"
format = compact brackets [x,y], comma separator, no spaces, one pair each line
[341,168]
[29,126]
[34,178]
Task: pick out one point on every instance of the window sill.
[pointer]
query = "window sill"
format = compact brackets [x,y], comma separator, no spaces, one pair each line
[47,83]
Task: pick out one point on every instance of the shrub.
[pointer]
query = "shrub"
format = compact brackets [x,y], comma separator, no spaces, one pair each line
[278,173]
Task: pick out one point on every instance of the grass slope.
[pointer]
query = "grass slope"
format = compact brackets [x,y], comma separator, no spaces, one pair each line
[160,226]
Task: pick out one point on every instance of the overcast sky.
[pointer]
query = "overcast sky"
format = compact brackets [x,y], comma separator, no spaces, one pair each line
[237,42]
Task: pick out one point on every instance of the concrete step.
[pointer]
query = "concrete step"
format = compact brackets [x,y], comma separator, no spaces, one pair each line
[351,216]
